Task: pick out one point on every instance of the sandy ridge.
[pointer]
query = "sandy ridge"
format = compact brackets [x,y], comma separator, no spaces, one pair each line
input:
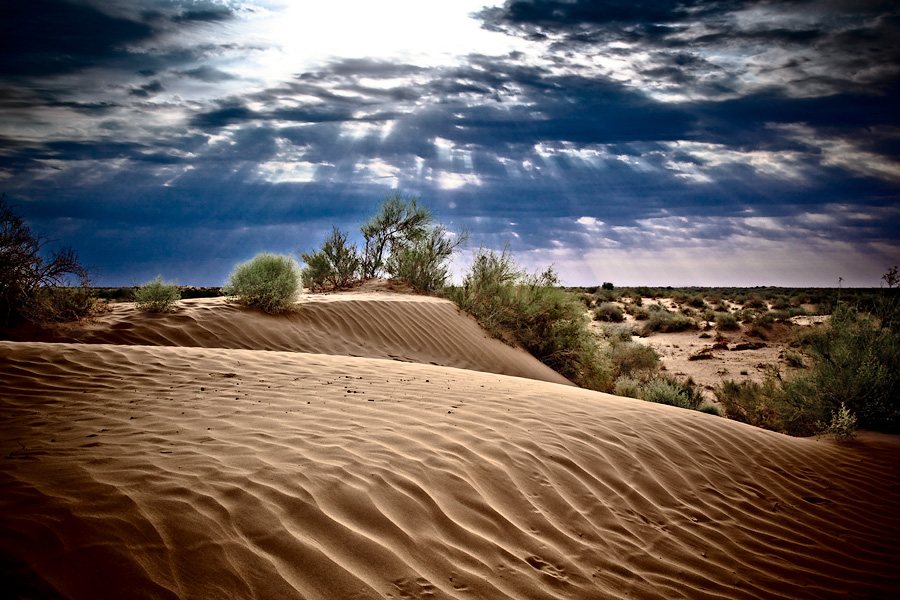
[401,327]
[198,473]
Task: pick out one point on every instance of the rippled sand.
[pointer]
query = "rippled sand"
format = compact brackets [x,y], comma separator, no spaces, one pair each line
[221,453]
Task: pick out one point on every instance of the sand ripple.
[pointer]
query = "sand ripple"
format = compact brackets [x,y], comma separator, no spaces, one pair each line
[179,472]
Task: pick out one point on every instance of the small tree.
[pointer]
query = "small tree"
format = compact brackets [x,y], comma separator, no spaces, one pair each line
[156,296]
[397,223]
[424,263]
[267,281]
[35,288]
[335,264]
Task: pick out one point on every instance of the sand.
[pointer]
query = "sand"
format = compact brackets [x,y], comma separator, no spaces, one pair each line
[160,465]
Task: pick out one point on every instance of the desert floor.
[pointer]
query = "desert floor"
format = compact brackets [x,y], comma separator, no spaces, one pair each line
[379,445]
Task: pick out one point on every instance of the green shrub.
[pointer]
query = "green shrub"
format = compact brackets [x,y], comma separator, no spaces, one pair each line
[335,265]
[630,359]
[664,321]
[618,333]
[668,391]
[535,313]
[760,324]
[697,302]
[710,409]
[778,405]
[425,262]
[269,282]
[755,302]
[726,321]
[628,387]
[638,312]
[397,223]
[156,296]
[856,362]
[842,426]
[609,312]
[794,359]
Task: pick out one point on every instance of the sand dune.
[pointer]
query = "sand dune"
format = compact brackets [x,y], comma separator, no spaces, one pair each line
[402,327]
[167,471]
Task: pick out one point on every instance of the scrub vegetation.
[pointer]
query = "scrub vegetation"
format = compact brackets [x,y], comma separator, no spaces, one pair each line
[269,282]
[401,240]
[39,285]
[157,296]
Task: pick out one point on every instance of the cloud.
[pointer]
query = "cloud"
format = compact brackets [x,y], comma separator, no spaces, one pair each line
[208,74]
[147,90]
[43,37]
[623,126]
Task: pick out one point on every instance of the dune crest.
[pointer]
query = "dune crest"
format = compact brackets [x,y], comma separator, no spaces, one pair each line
[373,324]
[178,472]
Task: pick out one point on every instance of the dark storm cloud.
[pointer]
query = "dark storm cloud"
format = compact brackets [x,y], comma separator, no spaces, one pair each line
[850,37]
[147,90]
[42,37]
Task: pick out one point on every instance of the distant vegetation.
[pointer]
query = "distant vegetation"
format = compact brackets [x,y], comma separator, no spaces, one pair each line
[854,376]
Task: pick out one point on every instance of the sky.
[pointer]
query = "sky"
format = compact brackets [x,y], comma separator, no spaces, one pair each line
[708,143]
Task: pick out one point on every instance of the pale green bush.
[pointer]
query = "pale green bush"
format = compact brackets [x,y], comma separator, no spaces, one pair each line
[269,282]
[157,296]
[842,426]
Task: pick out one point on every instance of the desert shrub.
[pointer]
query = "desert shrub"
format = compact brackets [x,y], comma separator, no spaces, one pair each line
[334,265]
[842,426]
[396,224]
[36,285]
[608,286]
[425,262]
[156,296]
[674,393]
[855,361]
[609,312]
[794,359]
[781,302]
[664,321]
[638,312]
[618,333]
[697,301]
[627,386]
[489,292]
[755,302]
[630,359]
[760,324]
[535,313]
[267,281]
[710,409]
[776,404]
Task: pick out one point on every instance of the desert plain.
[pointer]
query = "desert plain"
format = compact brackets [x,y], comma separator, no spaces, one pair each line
[374,444]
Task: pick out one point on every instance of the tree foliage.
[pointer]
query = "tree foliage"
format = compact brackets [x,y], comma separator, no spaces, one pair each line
[401,240]
[424,262]
[336,264]
[35,285]
[398,223]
